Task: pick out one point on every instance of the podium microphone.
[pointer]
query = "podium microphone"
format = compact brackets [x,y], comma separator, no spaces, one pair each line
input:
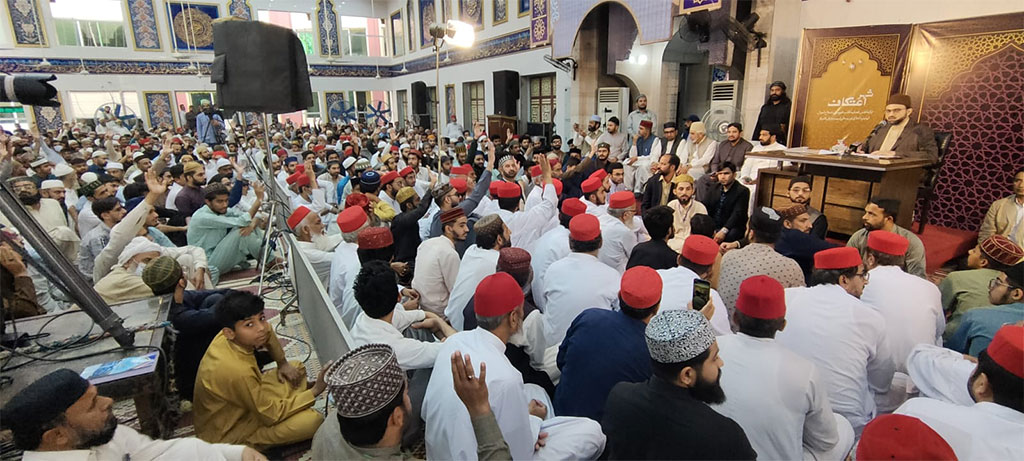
[30,90]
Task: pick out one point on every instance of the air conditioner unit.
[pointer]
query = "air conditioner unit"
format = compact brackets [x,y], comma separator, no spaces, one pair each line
[612,102]
[725,93]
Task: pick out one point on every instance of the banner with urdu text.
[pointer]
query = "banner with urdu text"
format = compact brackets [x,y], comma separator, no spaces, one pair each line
[844,78]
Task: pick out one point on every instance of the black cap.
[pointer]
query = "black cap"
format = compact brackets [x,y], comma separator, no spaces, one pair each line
[779,84]
[41,402]
[668,125]
[766,220]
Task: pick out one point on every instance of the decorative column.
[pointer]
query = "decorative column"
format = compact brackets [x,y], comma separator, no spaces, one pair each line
[143,21]
[540,26]
[26,23]
[327,28]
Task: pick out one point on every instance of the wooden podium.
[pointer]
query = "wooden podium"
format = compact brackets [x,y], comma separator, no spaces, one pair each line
[842,185]
[500,124]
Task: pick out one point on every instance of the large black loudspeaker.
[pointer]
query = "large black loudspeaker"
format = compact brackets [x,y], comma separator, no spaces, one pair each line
[259,67]
[506,93]
[420,111]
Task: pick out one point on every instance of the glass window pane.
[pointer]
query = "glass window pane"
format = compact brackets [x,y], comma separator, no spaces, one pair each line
[545,87]
[67,32]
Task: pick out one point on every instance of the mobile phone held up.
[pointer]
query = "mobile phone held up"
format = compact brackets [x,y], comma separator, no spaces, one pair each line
[701,293]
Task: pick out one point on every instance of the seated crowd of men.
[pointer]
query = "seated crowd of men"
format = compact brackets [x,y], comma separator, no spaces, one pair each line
[508,299]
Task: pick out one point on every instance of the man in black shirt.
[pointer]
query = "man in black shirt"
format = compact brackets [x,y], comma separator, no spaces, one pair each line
[656,253]
[727,204]
[775,111]
[668,417]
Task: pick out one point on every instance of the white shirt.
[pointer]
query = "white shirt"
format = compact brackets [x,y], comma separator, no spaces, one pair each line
[316,203]
[411,353]
[677,292]
[129,444]
[617,242]
[344,268]
[533,199]
[787,409]
[550,247]
[427,219]
[172,193]
[573,284]
[697,160]
[87,219]
[321,255]
[527,225]
[845,338]
[752,165]
[449,433]
[453,131]
[476,264]
[912,308]
[436,268]
[985,430]
[941,374]
[595,209]
[390,201]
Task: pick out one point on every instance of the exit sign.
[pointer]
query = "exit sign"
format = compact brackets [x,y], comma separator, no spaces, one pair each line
[12,110]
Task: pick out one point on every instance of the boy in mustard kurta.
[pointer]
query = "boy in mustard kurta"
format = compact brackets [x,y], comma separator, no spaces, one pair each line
[234,401]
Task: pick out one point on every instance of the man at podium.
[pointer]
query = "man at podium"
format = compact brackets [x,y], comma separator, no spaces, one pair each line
[901,135]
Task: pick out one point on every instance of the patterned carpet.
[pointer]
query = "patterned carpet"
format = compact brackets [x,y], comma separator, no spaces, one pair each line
[294,338]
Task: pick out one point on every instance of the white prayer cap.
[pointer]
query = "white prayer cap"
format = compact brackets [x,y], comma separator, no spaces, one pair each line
[222,162]
[404,146]
[114,166]
[52,184]
[136,246]
[116,137]
[382,144]
[98,153]
[89,177]
[62,169]
[348,162]
[675,336]
[39,162]
[137,154]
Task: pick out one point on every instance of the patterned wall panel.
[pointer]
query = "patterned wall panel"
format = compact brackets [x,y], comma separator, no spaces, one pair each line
[240,8]
[145,33]
[26,22]
[965,79]
[48,118]
[191,24]
[540,23]
[159,110]
[327,28]
[653,18]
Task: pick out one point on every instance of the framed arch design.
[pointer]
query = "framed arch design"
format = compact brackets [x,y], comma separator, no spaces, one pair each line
[653,19]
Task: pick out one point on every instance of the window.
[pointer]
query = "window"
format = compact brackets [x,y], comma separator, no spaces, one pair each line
[542,98]
[362,37]
[432,105]
[403,109]
[97,23]
[476,107]
[299,23]
[88,105]
[397,34]
[313,112]
[12,113]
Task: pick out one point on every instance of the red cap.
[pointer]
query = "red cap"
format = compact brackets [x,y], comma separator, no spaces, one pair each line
[584,227]
[405,171]
[573,206]
[388,177]
[374,238]
[349,151]
[293,177]
[621,199]
[888,242]
[509,190]
[493,188]
[218,154]
[459,184]
[515,136]
[1007,349]
[413,152]
[901,437]
[646,124]
[640,287]
[300,168]
[496,295]
[762,297]
[837,258]
[599,174]
[452,214]
[302,180]
[590,185]
[319,147]
[351,218]
[461,169]
[553,161]
[394,148]
[535,171]
[356,200]
[297,216]
[281,153]
[176,140]
[558,185]
[700,250]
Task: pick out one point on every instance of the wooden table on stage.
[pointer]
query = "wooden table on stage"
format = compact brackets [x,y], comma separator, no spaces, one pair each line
[149,390]
[842,185]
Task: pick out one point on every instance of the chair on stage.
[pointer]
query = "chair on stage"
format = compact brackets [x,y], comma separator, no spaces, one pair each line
[926,190]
